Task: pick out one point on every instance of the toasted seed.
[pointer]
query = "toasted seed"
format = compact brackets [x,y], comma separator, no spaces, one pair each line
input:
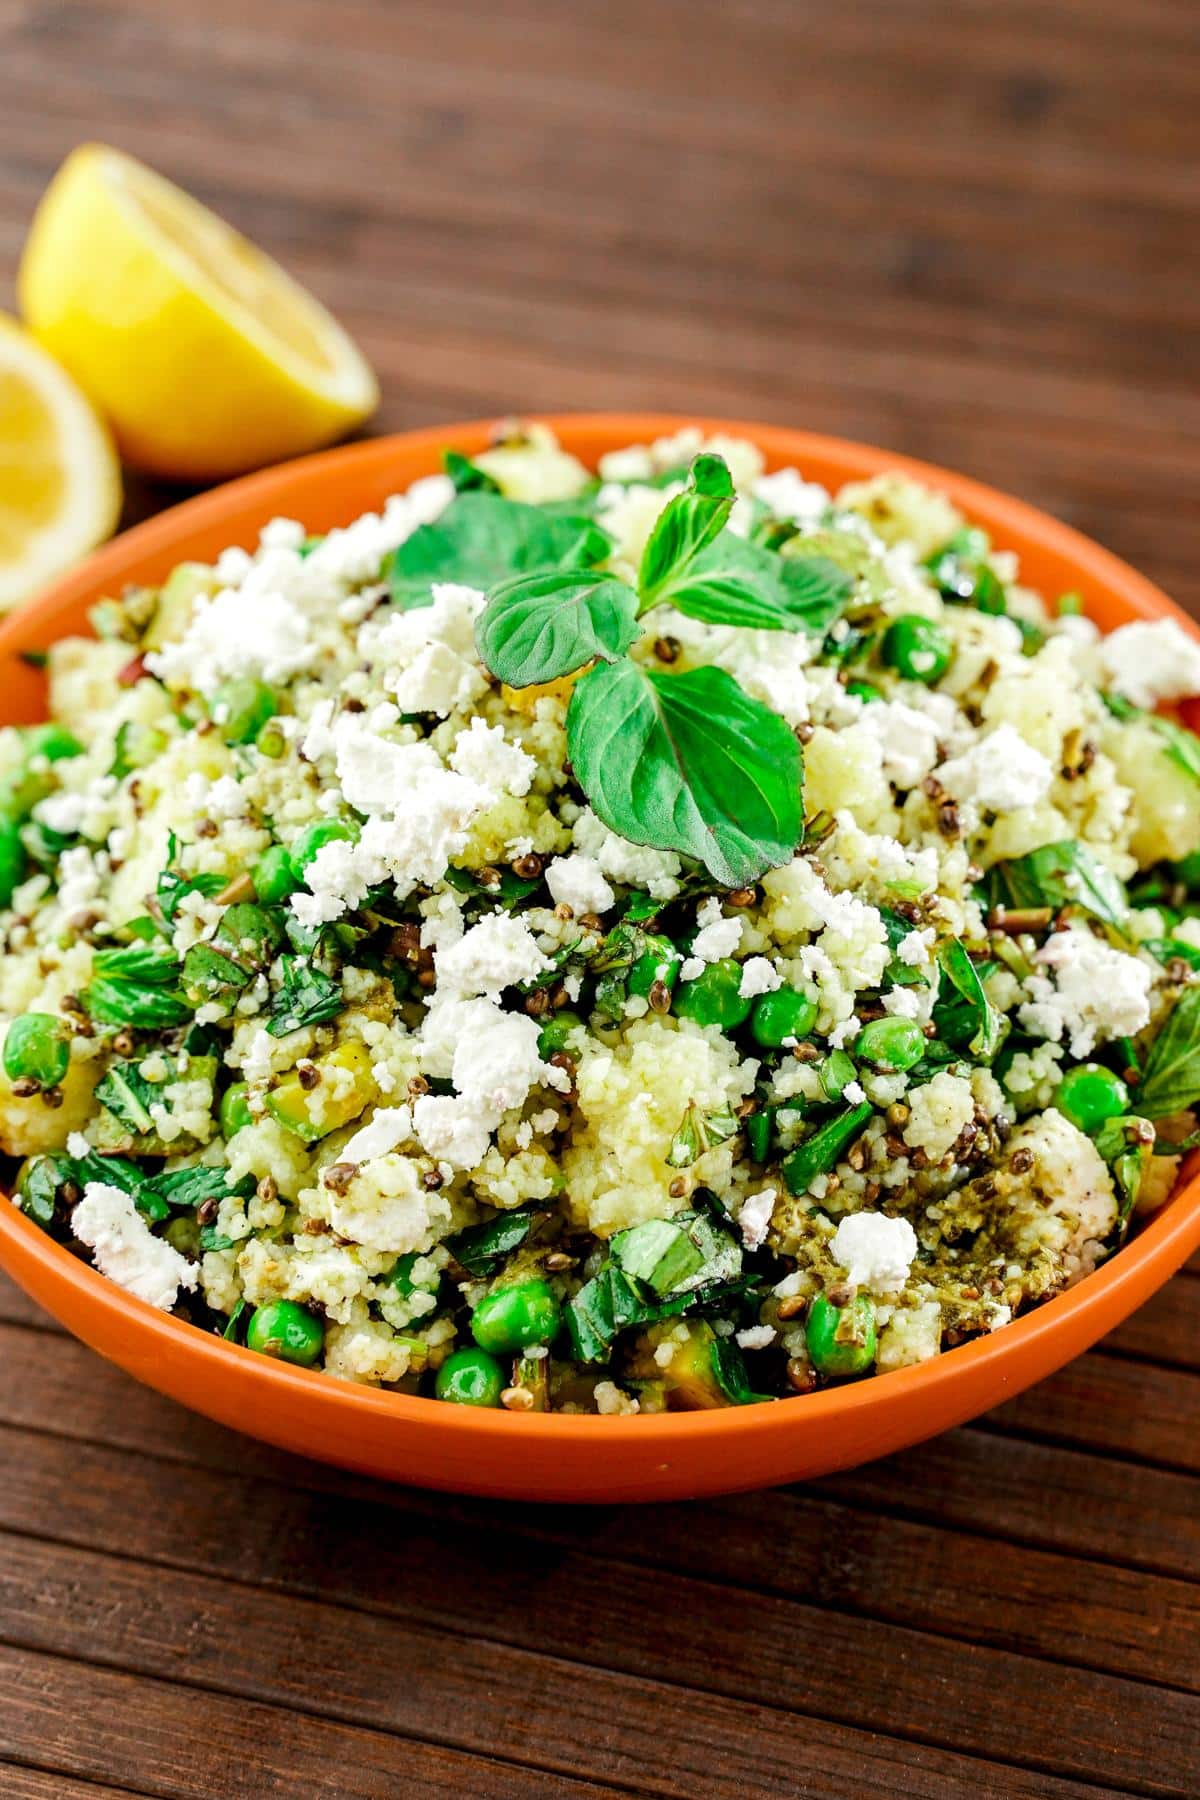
[517,1399]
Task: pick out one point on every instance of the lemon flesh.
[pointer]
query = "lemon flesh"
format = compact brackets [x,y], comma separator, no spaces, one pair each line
[203,355]
[60,487]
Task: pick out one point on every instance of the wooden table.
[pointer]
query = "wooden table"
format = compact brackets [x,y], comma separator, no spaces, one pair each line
[968,231]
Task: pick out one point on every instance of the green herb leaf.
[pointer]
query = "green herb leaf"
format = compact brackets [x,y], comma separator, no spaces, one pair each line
[482,1248]
[37,1191]
[1171,1080]
[1173,950]
[192,1186]
[699,1131]
[210,975]
[173,887]
[1179,744]
[729,1372]
[306,996]
[233,1330]
[824,1149]
[685,526]
[604,1306]
[1058,875]
[128,1096]
[970,1022]
[541,626]
[682,1255]
[482,539]
[152,965]
[467,476]
[735,582]
[689,763]
[119,1002]
[1126,1144]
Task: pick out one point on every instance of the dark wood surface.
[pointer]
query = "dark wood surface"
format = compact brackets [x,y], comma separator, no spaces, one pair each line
[968,231]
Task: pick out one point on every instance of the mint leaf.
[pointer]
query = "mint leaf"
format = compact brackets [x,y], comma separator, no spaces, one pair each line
[1171,1080]
[306,996]
[969,1021]
[128,1096]
[685,526]
[1181,745]
[1058,875]
[688,763]
[467,476]
[735,582]
[538,627]
[482,539]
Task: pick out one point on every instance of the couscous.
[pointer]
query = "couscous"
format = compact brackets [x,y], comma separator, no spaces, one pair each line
[603,942]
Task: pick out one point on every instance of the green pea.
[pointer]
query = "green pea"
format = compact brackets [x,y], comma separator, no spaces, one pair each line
[1089,1095]
[35,1049]
[917,648]
[274,875]
[242,707]
[555,1031]
[659,961]
[287,1331]
[892,1045]
[53,741]
[787,1013]
[314,838]
[863,690]
[470,1378]
[714,997]
[12,859]
[271,740]
[842,1340]
[235,1109]
[512,1318]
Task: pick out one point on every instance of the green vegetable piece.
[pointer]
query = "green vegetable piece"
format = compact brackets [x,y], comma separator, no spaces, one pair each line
[482,539]
[312,1113]
[513,1318]
[306,996]
[1089,1095]
[690,763]
[36,1049]
[758,1128]
[916,648]
[51,740]
[1171,1080]
[249,934]
[274,875]
[286,1331]
[38,1181]
[470,1378]
[1057,875]
[539,627]
[713,998]
[482,1248]
[135,745]
[235,1112]
[825,1148]
[314,837]
[659,961]
[892,1045]
[836,1073]
[864,690]
[128,1096]
[13,860]
[555,1032]
[787,1013]
[242,707]
[842,1340]
[271,741]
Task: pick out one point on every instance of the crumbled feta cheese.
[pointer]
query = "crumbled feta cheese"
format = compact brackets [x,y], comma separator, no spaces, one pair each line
[484,755]
[908,740]
[126,1250]
[1151,661]
[237,633]
[78,879]
[755,1337]
[914,947]
[1096,993]
[63,812]
[853,1093]
[1001,772]
[755,1216]
[577,881]
[718,936]
[499,952]
[759,976]
[633,865]
[387,1127]
[875,1251]
[786,494]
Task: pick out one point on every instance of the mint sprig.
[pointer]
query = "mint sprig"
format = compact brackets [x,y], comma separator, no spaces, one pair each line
[686,762]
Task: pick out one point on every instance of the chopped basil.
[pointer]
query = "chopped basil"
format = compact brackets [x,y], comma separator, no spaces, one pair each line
[1171,1078]
[969,1022]
[482,1248]
[173,887]
[306,996]
[1059,875]
[1125,1143]
[128,1096]
[233,1329]
[123,1002]
[729,1372]
[192,1186]
[698,1131]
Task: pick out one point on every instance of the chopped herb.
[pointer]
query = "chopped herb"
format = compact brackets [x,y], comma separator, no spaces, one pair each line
[234,1327]
[482,1248]
[306,996]
[467,476]
[698,1132]
[1171,1080]
[192,1186]
[128,1096]
[539,627]
[970,1022]
[1179,744]
[124,1002]
[1059,875]
[825,1148]
[173,887]
[729,1372]
[1125,1144]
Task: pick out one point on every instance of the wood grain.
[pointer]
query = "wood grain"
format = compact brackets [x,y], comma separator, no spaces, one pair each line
[966,232]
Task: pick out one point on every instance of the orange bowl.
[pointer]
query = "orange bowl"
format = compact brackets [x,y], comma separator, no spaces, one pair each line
[541,1457]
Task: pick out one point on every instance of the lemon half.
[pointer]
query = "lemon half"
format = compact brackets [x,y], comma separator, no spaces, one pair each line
[60,487]
[203,355]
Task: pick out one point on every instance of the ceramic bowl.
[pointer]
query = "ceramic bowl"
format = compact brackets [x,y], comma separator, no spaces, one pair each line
[547,1457]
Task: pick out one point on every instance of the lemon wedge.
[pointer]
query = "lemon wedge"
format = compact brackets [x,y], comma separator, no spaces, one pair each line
[203,355]
[60,486]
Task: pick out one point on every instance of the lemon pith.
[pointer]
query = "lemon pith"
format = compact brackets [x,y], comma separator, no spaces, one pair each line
[204,356]
[60,486]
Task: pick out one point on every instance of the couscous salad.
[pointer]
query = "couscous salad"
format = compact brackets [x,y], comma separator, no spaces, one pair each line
[665,937]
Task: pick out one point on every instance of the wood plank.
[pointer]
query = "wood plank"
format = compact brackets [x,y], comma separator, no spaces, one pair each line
[791,1543]
[43,1784]
[182,1744]
[1105,1403]
[1166,1330]
[219,1636]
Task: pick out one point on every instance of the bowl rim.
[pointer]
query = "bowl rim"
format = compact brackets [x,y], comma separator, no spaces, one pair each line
[1148,1259]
